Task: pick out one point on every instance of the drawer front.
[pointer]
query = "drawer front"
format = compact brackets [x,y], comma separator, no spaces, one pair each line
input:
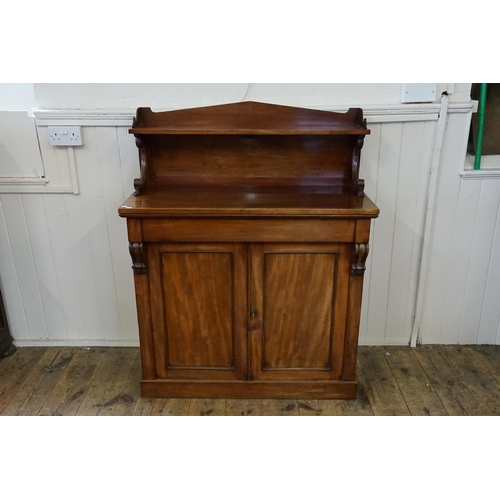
[248,230]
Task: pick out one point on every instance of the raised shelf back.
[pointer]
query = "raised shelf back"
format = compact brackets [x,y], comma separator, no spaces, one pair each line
[249,143]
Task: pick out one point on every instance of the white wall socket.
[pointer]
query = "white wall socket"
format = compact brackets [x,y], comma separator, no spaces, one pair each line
[65,136]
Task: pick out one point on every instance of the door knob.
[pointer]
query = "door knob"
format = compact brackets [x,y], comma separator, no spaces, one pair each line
[253,312]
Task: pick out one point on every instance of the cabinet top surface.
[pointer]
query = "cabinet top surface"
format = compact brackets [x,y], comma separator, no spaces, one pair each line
[248,200]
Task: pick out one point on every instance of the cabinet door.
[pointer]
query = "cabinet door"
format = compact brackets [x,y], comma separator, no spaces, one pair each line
[198,305]
[298,306]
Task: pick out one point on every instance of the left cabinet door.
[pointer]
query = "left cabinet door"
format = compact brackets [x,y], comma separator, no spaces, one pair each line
[198,296]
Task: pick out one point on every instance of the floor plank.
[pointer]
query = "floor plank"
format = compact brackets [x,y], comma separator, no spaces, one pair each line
[472,371]
[17,366]
[280,407]
[207,407]
[356,407]
[5,364]
[380,385]
[428,380]
[47,382]
[162,407]
[244,407]
[102,392]
[316,407]
[490,357]
[173,407]
[125,391]
[417,391]
[26,378]
[454,394]
[69,392]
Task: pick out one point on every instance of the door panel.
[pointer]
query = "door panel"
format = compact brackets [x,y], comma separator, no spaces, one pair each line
[199,310]
[292,339]
[298,302]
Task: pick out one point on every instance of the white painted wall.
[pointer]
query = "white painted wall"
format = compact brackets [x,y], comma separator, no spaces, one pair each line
[19,154]
[17,96]
[178,95]
[64,260]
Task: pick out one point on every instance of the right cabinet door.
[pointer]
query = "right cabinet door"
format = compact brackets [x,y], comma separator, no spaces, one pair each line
[298,309]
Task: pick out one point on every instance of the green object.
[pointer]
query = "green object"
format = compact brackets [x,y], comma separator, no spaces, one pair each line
[481,111]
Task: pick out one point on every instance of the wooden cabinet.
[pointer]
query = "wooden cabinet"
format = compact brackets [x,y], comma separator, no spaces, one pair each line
[248,233]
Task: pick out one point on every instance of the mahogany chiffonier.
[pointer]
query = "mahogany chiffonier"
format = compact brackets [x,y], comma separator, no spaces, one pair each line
[248,233]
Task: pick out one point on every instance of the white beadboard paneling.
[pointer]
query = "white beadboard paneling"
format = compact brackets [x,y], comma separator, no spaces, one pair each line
[490,313]
[114,194]
[402,272]
[383,231]
[479,261]
[460,251]
[25,267]
[45,265]
[369,172]
[129,159]
[85,280]
[91,243]
[452,155]
[66,266]
[10,283]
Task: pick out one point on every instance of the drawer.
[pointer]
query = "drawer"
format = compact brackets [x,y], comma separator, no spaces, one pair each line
[248,230]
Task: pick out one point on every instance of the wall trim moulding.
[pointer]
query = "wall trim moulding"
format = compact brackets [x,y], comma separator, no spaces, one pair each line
[38,185]
[480,174]
[490,168]
[23,181]
[89,117]
[123,118]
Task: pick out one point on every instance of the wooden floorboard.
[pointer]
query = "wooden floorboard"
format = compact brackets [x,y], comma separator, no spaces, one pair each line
[99,381]
[472,371]
[70,390]
[381,387]
[452,391]
[415,386]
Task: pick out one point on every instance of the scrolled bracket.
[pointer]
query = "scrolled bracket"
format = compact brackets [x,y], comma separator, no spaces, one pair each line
[138,258]
[358,184]
[360,254]
[140,183]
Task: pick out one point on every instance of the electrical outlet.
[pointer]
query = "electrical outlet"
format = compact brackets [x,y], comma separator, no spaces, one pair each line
[65,136]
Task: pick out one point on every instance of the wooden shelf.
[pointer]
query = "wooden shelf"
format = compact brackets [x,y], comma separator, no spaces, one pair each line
[248,200]
[249,118]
